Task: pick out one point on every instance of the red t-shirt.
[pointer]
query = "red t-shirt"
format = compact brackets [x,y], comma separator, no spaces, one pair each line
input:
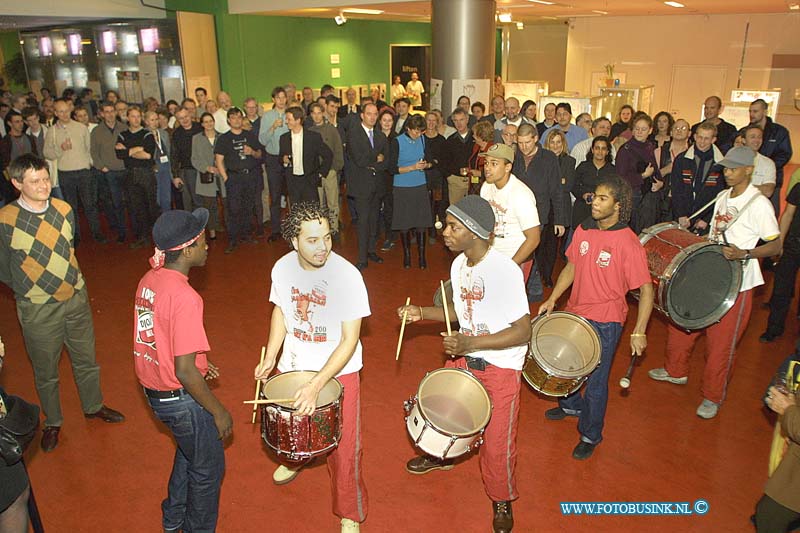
[167,322]
[608,264]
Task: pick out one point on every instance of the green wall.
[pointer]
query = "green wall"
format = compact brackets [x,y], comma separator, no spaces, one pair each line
[257,53]
[9,45]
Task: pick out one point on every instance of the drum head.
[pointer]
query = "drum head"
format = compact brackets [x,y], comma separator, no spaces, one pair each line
[285,385]
[703,288]
[565,345]
[454,401]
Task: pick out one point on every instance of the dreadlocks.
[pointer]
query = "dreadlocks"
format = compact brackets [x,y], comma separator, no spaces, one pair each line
[303,212]
[622,193]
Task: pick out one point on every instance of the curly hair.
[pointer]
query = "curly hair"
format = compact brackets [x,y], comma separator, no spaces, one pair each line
[303,212]
[622,193]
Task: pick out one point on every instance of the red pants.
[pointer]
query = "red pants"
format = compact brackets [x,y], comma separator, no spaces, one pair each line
[721,340]
[345,462]
[498,454]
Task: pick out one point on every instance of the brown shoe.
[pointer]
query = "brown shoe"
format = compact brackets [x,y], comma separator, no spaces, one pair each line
[106,414]
[503,517]
[50,438]
[426,463]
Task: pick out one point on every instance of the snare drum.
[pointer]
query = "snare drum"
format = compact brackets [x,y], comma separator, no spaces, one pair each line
[449,413]
[564,350]
[299,438]
[694,284]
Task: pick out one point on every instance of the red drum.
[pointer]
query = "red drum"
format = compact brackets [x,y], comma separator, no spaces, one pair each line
[299,438]
[694,284]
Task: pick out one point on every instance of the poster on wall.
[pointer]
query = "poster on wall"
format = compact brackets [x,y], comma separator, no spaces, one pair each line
[407,59]
[476,90]
[435,94]
[148,77]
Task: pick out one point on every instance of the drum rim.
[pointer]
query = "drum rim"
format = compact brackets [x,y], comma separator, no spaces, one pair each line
[441,431]
[722,309]
[549,368]
[336,382]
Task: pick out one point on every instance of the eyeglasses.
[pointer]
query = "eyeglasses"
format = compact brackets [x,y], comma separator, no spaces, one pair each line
[680,128]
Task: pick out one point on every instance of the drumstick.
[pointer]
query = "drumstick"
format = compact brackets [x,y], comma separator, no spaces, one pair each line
[268,401]
[625,382]
[402,328]
[446,312]
[258,384]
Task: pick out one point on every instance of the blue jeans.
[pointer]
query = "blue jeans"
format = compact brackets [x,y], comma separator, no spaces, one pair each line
[591,406]
[192,501]
[534,286]
[111,195]
[164,186]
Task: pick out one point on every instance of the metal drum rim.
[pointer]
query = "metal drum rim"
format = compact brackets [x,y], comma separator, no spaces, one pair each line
[441,431]
[285,407]
[576,318]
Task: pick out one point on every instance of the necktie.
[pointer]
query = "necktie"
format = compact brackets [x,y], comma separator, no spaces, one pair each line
[371,139]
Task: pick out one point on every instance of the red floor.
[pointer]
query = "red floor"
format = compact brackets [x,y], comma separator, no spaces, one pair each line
[112,478]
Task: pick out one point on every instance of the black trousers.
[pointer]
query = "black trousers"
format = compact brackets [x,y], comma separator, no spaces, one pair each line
[301,188]
[782,291]
[546,251]
[275,179]
[81,184]
[367,208]
[772,517]
[241,189]
[141,188]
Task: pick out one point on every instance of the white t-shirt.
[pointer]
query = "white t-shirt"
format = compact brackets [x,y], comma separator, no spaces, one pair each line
[488,297]
[756,222]
[221,121]
[763,171]
[314,305]
[515,211]
[297,153]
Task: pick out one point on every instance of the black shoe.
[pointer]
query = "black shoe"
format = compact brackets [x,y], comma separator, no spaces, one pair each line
[375,258]
[583,450]
[425,463]
[557,413]
[503,517]
[768,336]
[274,237]
[107,414]
[121,239]
[230,249]
[100,238]
[141,243]
[361,266]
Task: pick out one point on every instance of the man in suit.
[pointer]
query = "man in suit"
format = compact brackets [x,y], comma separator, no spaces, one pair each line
[305,157]
[364,166]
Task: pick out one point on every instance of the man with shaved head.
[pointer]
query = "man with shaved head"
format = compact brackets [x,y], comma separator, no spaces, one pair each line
[221,114]
[512,117]
[726,132]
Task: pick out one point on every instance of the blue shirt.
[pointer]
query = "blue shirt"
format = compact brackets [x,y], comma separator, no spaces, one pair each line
[574,135]
[271,141]
[410,152]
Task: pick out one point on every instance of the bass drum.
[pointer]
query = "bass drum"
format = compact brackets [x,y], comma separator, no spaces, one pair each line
[694,284]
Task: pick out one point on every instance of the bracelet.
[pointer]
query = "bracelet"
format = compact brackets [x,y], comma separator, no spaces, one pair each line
[638,334]
[421,316]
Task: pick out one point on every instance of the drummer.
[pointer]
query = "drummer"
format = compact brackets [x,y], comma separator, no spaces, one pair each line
[492,309]
[320,299]
[604,261]
[742,216]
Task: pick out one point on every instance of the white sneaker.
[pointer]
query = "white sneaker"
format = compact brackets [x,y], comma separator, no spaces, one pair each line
[349,526]
[284,474]
[707,409]
[660,374]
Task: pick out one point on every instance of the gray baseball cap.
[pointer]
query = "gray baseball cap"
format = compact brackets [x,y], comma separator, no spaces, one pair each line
[740,156]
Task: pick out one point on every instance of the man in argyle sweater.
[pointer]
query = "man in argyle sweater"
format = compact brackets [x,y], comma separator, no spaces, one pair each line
[37,260]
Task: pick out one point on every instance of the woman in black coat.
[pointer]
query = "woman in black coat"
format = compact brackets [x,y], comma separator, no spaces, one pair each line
[588,175]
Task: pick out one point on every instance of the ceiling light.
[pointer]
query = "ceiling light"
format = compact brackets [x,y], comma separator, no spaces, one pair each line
[520,25]
[599,12]
[794,7]
[359,11]
[504,17]
[543,2]
[674,4]
[340,19]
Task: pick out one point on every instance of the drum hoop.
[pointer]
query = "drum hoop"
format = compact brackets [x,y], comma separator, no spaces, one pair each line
[439,430]
[646,234]
[545,364]
[284,407]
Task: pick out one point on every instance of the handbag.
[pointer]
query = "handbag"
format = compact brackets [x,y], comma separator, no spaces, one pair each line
[17,428]
[206,177]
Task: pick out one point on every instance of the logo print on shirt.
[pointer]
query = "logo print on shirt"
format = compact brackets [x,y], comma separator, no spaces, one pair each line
[473,292]
[584,248]
[604,259]
[722,219]
[304,310]
[144,318]
[500,219]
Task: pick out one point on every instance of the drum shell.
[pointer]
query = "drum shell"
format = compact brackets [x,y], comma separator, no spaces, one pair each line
[299,438]
[547,372]
[669,249]
[424,430]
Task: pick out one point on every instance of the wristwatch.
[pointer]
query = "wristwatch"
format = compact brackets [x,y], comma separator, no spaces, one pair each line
[747,256]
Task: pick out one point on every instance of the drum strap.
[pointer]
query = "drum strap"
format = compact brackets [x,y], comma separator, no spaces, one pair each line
[739,213]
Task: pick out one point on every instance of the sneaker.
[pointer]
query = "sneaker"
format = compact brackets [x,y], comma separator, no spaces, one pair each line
[387,245]
[660,374]
[557,413]
[349,526]
[707,409]
[768,336]
[425,463]
[583,450]
[283,474]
